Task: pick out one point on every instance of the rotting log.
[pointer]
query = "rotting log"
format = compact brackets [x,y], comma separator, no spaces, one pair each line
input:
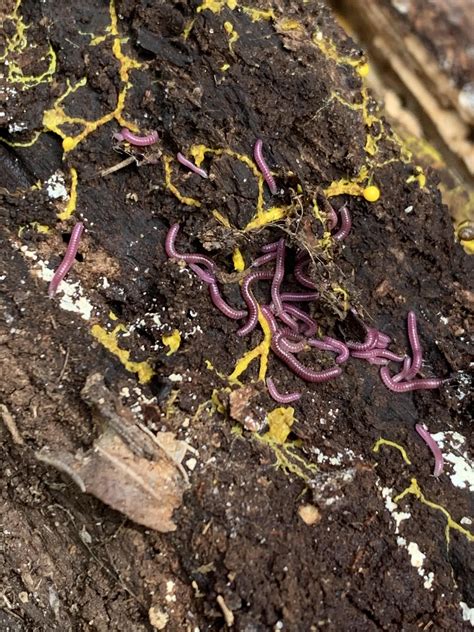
[422,52]
[211,78]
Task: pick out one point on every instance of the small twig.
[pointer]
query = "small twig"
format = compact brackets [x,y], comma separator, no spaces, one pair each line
[11,425]
[63,370]
[118,166]
[228,614]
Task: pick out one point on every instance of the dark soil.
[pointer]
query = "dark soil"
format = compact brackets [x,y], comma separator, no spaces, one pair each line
[68,562]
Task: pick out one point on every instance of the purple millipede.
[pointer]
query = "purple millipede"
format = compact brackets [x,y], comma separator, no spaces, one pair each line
[251,301]
[133,139]
[264,259]
[262,165]
[406,367]
[295,365]
[292,347]
[417,355]
[187,258]
[328,344]
[339,347]
[281,398]
[332,219]
[202,274]
[225,308]
[413,385]
[288,320]
[278,277]
[433,446]
[346,224]
[300,276]
[68,260]
[377,360]
[267,314]
[378,353]
[311,325]
[382,340]
[270,247]
[295,297]
[370,341]
[191,166]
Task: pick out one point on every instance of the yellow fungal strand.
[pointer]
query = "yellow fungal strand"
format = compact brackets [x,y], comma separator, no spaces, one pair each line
[222,219]
[232,33]
[110,342]
[188,28]
[261,351]
[15,45]
[256,15]
[269,216]
[56,117]
[337,289]
[71,205]
[172,340]
[343,187]
[329,50]
[418,177]
[216,6]
[415,490]
[287,459]
[238,260]
[167,160]
[363,69]
[27,143]
[262,217]
[288,24]
[380,442]
[280,421]
[40,228]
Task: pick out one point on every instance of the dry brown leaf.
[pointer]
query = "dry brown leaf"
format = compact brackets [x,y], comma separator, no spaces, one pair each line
[242,409]
[128,468]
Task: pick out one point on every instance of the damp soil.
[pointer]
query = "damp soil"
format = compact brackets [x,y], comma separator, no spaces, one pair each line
[241,555]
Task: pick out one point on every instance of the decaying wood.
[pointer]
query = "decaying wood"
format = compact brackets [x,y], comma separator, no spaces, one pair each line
[427,49]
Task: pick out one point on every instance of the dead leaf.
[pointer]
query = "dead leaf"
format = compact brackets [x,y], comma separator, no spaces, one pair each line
[128,467]
[242,410]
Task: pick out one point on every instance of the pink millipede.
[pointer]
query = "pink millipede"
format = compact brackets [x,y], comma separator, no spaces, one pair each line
[202,274]
[171,251]
[138,141]
[291,346]
[417,356]
[346,224]
[433,446]
[299,314]
[68,260]
[264,259]
[332,218]
[262,165]
[270,247]
[370,341]
[281,398]
[406,367]
[378,353]
[382,340]
[223,306]
[278,276]
[295,365]
[191,166]
[413,385]
[251,301]
[302,261]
